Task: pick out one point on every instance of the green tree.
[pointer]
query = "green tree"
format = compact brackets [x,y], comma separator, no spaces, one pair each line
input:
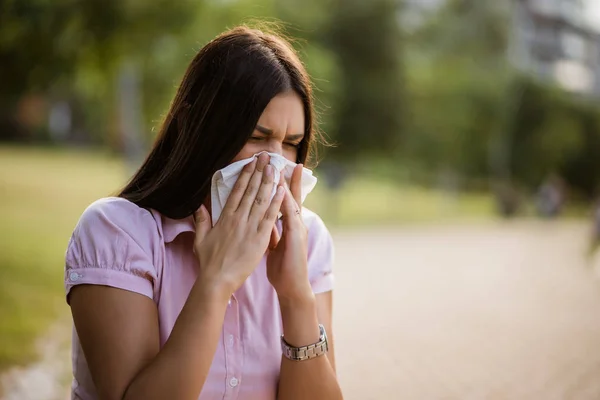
[366,40]
[73,48]
[457,74]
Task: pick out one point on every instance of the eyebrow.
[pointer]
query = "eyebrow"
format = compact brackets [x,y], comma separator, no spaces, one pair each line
[269,132]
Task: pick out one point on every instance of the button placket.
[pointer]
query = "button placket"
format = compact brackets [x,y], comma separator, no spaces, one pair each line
[231,332]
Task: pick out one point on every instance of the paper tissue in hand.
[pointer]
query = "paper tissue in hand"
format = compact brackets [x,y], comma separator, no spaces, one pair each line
[224,179]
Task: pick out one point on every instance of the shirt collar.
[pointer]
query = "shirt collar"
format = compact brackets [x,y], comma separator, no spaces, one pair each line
[173,227]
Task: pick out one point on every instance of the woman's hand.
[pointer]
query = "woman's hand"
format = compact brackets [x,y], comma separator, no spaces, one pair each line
[229,251]
[287,268]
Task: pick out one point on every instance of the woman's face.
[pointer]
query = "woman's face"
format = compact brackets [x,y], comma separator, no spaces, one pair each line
[280,128]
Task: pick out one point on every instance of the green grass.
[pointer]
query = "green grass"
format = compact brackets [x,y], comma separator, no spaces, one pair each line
[365,201]
[42,194]
[44,191]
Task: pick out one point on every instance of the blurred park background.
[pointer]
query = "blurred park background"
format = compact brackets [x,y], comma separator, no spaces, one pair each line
[441,112]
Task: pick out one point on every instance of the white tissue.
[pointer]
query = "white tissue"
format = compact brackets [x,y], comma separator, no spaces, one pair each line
[224,179]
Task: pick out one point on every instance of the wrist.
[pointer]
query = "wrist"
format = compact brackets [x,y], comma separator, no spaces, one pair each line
[214,290]
[300,320]
[300,297]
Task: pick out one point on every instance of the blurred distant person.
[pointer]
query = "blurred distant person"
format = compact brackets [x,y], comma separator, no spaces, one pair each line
[595,239]
[550,198]
[168,305]
[508,200]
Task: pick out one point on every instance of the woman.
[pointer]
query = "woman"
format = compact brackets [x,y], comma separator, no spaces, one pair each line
[166,305]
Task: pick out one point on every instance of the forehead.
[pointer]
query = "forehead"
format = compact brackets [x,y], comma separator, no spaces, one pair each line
[284,114]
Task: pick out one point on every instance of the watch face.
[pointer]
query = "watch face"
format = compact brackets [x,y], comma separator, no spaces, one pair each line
[323,332]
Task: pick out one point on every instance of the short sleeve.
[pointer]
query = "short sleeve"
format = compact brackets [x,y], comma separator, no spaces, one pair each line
[112,246]
[320,253]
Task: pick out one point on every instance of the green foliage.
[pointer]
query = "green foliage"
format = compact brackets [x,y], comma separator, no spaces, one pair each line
[436,94]
[71,50]
[369,109]
[456,75]
[556,132]
[469,113]
[43,42]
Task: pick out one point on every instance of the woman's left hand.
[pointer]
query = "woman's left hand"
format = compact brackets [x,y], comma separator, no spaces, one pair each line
[287,264]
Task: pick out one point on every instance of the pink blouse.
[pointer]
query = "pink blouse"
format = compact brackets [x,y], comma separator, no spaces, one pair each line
[118,244]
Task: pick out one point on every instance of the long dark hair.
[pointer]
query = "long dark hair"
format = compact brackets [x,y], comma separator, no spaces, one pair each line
[224,91]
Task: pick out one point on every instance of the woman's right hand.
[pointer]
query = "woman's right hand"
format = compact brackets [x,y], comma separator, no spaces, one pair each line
[229,251]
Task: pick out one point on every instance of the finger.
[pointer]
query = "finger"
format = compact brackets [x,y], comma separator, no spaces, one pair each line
[289,208]
[267,223]
[274,238]
[203,223]
[261,201]
[253,185]
[239,188]
[296,184]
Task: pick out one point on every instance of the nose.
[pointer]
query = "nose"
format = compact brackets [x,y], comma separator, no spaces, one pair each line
[274,147]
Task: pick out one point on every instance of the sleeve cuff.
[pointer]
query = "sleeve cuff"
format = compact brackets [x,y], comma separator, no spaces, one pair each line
[323,283]
[107,277]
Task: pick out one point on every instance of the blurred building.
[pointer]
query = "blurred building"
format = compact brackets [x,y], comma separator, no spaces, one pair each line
[553,40]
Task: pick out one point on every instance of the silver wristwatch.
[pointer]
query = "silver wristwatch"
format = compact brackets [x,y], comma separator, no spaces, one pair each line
[306,352]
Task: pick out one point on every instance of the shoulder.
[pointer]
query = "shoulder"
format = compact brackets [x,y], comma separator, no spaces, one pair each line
[115,243]
[314,224]
[320,242]
[320,253]
[114,219]
[117,210]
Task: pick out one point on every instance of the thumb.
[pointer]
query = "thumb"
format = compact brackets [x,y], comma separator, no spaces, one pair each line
[203,223]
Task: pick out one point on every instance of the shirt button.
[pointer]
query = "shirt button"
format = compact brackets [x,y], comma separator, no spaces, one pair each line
[229,302]
[233,382]
[230,341]
[74,276]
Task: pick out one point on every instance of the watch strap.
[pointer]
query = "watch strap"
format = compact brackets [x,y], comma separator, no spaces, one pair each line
[306,352]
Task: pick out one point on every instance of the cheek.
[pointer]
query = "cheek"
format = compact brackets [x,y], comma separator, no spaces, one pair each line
[291,154]
[247,151]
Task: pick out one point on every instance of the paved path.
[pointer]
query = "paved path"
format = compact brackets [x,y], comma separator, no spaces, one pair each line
[49,377]
[484,313]
[497,312]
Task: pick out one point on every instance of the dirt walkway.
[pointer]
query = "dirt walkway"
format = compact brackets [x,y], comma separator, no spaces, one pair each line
[502,312]
[49,377]
[491,312]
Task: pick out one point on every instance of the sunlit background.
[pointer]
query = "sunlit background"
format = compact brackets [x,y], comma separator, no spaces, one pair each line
[462,187]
